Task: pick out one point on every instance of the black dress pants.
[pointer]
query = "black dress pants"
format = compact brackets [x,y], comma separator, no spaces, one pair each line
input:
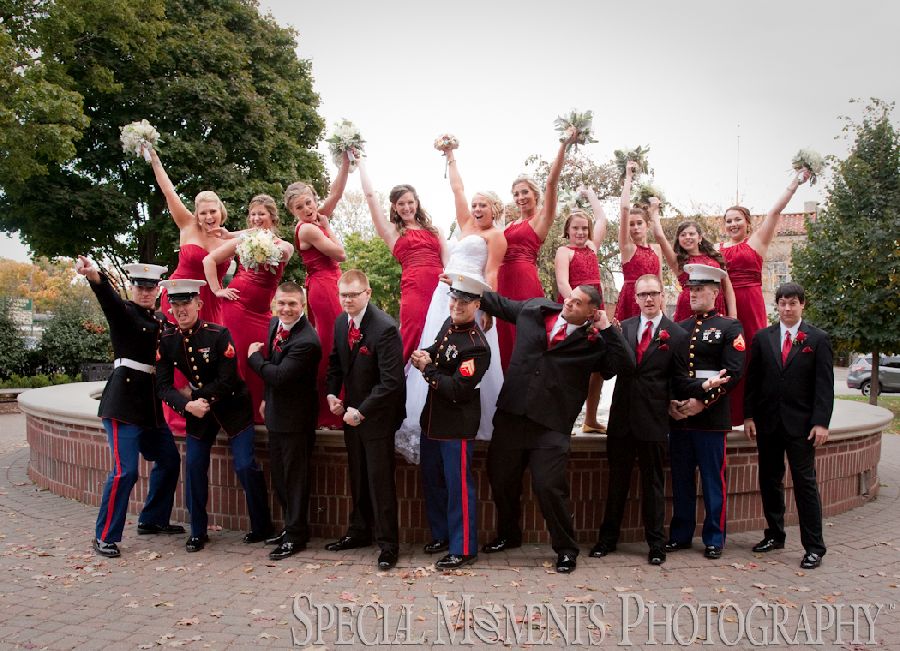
[371,464]
[290,454]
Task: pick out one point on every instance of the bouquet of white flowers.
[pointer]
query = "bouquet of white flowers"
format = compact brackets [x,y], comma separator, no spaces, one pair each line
[642,193]
[345,138]
[810,160]
[444,143]
[569,200]
[138,137]
[258,247]
[581,122]
[638,155]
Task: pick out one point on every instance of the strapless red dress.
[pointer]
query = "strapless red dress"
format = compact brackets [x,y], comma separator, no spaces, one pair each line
[248,318]
[644,261]
[683,307]
[190,266]
[517,279]
[419,255]
[745,271]
[584,269]
[323,308]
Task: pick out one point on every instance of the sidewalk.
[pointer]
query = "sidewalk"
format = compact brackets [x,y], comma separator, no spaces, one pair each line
[56,594]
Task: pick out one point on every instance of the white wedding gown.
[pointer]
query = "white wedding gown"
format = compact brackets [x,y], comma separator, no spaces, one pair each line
[469,256]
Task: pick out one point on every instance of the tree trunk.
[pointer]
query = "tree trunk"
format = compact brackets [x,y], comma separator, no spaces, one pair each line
[875,382]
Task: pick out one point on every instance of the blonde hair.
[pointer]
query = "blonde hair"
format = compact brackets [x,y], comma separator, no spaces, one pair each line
[266,202]
[354,275]
[208,196]
[574,215]
[527,180]
[298,189]
[494,202]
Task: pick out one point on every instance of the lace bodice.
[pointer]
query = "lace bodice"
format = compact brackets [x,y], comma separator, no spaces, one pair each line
[468,256]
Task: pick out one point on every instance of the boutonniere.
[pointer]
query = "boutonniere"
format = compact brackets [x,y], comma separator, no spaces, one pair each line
[592,334]
[801,337]
[662,335]
[355,337]
[807,349]
[364,350]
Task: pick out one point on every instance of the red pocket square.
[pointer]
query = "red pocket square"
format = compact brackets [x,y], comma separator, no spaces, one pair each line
[806,349]
[663,347]
[364,350]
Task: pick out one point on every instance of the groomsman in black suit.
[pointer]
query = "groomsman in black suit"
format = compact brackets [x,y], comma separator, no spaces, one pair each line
[367,363]
[639,417]
[557,348]
[788,402]
[290,410]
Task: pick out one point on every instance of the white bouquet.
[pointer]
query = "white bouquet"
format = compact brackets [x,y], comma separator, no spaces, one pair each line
[445,143]
[638,155]
[642,193]
[345,138]
[581,122]
[811,161]
[569,200]
[258,247]
[138,137]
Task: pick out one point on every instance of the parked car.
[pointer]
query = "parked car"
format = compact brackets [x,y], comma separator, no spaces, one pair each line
[859,376]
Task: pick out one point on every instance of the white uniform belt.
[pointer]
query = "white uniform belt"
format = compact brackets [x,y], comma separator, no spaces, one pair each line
[137,366]
[706,374]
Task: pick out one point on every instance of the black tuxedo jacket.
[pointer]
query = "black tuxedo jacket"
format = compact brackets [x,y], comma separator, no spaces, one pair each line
[549,386]
[796,395]
[371,374]
[640,403]
[292,403]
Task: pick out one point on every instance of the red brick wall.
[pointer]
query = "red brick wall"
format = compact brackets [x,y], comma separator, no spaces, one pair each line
[73,461]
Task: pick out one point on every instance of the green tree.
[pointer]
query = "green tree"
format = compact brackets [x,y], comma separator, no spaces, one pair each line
[374,258]
[76,334]
[12,345]
[856,300]
[223,85]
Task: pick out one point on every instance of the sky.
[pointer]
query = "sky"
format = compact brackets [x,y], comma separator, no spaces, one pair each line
[690,79]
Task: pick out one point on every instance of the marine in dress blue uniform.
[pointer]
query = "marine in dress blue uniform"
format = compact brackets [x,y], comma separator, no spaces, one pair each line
[453,367]
[130,410]
[216,398]
[699,426]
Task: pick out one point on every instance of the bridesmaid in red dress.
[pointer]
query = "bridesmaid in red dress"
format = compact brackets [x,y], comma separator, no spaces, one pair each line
[247,302]
[419,248]
[744,252]
[518,277]
[636,255]
[576,264]
[199,233]
[321,251]
[691,247]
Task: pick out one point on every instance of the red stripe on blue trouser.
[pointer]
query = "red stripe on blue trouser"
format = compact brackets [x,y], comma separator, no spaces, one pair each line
[124,446]
[462,514]
[688,450]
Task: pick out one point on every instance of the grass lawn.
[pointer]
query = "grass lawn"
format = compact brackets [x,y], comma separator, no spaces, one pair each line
[889,402]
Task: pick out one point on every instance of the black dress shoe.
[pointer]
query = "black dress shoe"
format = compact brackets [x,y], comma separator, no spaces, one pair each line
[453,561]
[767,545]
[109,550]
[386,560]
[275,540]
[286,549]
[656,556]
[810,561]
[196,543]
[601,549]
[168,529]
[255,537]
[565,563]
[713,552]
[347,542]
[499,545]
[438,545]
[673,546]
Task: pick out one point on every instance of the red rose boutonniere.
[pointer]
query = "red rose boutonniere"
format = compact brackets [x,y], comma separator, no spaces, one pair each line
[801,337]
[662,335]
[592,334]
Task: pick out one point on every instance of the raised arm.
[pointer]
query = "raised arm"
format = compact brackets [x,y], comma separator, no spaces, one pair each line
[496,252]
[463,214]
[600,221]
[665,246]
[544,219]
[326,242]
[561,265]
[337,188]
[762,237]
[626,246]
[183,217]
[211,261]
[383,227]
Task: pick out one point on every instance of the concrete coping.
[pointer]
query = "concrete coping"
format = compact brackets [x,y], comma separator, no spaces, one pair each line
[76,404]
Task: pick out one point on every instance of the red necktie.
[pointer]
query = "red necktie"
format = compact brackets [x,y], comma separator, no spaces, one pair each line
[559,335]
[280,336]
[353,335]
[645,341]
[786,347]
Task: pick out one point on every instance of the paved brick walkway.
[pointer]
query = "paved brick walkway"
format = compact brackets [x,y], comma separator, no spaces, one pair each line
[56,594]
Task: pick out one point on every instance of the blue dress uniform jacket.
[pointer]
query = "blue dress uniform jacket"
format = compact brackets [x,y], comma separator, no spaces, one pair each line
[716,342]
[460,358]
[130,394]
[205,354]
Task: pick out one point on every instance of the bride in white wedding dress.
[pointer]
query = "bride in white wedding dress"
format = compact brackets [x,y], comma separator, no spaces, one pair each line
[478,252]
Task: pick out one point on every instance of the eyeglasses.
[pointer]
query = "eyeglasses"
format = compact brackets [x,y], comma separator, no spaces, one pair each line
[645,295]
[351,295]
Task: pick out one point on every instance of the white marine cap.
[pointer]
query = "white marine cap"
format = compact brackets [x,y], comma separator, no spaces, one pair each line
[703,274]
[466,286]
[145,274]
[182,290]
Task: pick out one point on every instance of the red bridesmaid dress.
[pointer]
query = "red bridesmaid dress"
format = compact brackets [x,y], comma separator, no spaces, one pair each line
[644,261]
[323,308]
[419,253]
[247,318]
[584,269]
[517,279]
[745,271]
[190,266]
[683,307]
